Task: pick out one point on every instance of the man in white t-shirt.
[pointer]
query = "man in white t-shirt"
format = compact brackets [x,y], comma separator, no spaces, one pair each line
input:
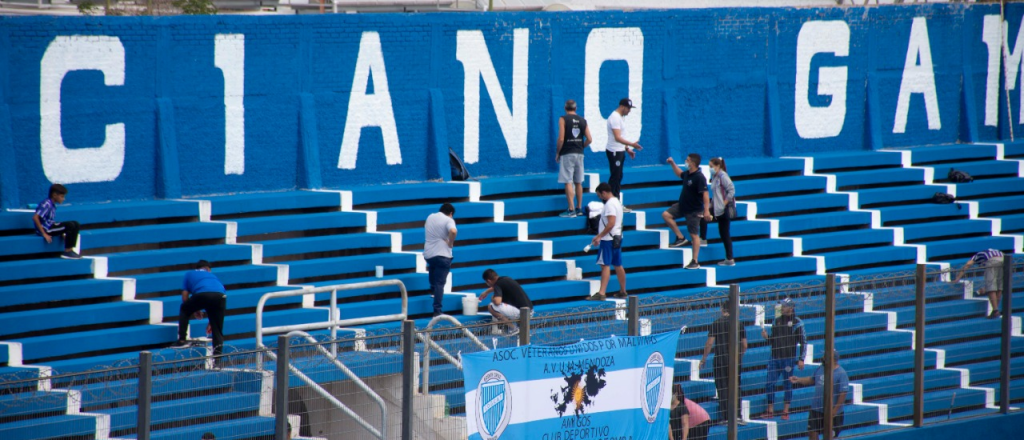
[618,146]
[609,240]
[439,238]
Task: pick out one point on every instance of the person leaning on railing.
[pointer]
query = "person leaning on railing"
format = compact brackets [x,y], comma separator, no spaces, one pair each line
[992,261]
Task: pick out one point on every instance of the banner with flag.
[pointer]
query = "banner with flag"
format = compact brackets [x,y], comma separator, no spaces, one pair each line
[613,388]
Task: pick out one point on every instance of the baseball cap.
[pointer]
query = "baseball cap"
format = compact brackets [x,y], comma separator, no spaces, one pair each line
[626,102]
[786,302]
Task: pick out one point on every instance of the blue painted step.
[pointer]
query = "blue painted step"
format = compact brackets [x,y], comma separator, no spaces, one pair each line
[42,347]
[257,226]
[44,270]
[793,225]
[68,318]
[151,234]
[854,160]
[43,293]
[375,194]
[230,276]
[955,152]
[243,204]
[880,177]
[156,259]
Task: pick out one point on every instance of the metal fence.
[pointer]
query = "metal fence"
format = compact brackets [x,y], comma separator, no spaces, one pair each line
[918,348]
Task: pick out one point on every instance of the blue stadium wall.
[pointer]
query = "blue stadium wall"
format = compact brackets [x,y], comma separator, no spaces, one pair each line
[136,108]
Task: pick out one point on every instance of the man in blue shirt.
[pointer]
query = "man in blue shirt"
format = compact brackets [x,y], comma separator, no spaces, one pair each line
[840,384]
[992,261]
[201,290]
[48,227]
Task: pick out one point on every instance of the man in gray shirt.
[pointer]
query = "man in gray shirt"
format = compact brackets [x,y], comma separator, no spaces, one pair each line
[439,232]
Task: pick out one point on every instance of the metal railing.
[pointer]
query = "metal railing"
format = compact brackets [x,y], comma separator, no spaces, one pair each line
[332,322]
[908,324]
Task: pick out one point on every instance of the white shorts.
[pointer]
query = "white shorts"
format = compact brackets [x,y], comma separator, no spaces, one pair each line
[506,311]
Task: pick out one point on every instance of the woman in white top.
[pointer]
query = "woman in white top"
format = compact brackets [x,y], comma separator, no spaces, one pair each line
[725,204]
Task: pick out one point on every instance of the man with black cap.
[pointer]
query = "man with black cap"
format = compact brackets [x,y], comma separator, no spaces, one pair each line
[201,290]
[718,340]
[618,146]
[787,334]
[840,384]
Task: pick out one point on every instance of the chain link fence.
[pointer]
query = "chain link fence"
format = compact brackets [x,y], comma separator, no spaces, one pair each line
[918,347]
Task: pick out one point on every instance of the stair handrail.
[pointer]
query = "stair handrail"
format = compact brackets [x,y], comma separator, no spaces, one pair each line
[332,322]
[382,433]
[429,344]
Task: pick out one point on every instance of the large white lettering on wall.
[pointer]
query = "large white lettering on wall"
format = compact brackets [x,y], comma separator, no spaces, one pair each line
[613,44]
[1014,56]
[992,37]
[79,165]
[471,51]
[229,57]
[369,110]
[821,37]
[918,77]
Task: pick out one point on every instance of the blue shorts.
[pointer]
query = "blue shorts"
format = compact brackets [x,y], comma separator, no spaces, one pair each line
[606,256]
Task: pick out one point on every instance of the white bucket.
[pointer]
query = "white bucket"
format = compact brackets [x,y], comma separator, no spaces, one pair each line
[469,305]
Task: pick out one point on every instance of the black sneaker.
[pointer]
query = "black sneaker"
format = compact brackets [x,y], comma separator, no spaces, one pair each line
[621,295]
[568,214]
[727,263]
[596,297]
[692,265]
[995,314]
[70,255]
[579,212]
[181,343]
[680,242]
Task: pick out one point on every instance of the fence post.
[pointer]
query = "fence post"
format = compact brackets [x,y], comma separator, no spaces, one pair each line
[1004,341]
[920,282]
[145,398]
[524,325]
[633,316]
[408,373]
[281,391]
[734,360]
[826,360]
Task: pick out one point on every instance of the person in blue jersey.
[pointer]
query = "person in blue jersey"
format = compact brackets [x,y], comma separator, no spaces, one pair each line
[992,261]
[787,334]
[840,386]
[47,226]
[202,291]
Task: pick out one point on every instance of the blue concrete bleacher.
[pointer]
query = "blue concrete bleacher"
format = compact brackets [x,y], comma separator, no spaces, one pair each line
[65,318]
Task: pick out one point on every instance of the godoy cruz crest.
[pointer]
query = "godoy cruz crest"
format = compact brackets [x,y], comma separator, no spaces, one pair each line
[494,405]
[653,386]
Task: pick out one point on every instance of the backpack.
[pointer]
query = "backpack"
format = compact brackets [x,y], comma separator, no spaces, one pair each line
[957,176]
[459,171]
[943,198]
[593,224]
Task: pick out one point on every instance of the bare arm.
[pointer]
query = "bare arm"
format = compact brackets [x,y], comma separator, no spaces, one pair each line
[184,295]
[589,138]
[686,424]
[801,380]
[675,168]
[707,206]
[39,227]
[743,346]
[707,350]
[839,403]
[485,293]
[607,230]
[561,137]
[960,274]
[451,237]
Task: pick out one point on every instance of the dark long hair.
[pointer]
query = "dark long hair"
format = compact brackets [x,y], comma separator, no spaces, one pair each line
[719,162]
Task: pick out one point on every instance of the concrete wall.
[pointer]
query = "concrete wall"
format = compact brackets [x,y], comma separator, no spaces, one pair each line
[137,108]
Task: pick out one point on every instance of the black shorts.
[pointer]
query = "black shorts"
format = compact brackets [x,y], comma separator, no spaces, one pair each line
[816,420]
[692,218]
